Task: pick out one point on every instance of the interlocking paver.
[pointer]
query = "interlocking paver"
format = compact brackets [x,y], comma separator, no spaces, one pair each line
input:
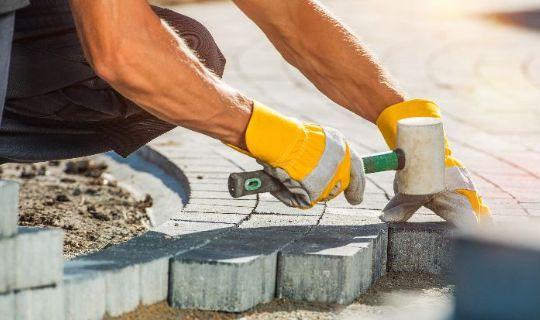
[217,209]
[9,202]
[420,247]
[7,306]
[493,133]
[136,271]
[40,303]
[38,257]
[275,207]
[7,264]
[84,292]
[229,218]
[333,264]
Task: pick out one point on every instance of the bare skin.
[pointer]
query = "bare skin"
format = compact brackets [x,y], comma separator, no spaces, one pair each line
[145,61]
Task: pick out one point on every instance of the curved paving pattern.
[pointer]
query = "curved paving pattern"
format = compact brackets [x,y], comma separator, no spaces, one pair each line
[225,254]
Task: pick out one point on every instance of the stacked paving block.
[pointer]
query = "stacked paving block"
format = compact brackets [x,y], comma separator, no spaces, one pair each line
[423,244]
[336,261]
[31,265]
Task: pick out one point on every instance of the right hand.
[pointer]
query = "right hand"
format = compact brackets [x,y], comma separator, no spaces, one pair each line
[313,163]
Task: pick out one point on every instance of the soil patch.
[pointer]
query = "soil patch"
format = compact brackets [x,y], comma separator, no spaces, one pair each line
[81,197]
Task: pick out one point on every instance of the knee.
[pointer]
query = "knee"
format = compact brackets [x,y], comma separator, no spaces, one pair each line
[197,37]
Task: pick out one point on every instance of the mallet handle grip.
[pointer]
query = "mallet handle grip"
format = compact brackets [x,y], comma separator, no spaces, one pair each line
[246,183]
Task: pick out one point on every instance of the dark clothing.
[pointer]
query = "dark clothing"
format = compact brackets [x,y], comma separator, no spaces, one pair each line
[7,6]
[6,35]
[58,108]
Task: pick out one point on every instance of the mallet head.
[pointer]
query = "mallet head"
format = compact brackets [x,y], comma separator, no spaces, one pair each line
[422,141]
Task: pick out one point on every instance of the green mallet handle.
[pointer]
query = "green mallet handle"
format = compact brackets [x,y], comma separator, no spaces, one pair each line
[246,183]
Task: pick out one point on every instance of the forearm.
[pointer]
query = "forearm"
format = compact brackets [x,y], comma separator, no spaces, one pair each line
[149,64]
[326,52]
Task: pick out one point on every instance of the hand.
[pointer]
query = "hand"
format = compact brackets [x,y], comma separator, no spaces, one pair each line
[313,163]
[459,203]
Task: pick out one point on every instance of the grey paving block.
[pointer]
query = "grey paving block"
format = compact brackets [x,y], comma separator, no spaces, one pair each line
[217,209]
[9,204]
[38,257]
[137,271]
[420,247]
[333,263]
[275,207]
[234,273]
[202,176]
[7,306]
[176,228]
[219,185]
[84,292]
[270,220]
[42,303]
[216,195]
[210,217]
[360,218]
[123,289]
[224,202]
[7,264]
[154,280]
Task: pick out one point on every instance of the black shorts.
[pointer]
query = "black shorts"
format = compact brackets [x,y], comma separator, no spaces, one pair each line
[58,108]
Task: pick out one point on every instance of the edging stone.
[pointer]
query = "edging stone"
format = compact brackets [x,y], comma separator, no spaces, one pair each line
[9,204]
[38,257]
[40,303]
[420,247]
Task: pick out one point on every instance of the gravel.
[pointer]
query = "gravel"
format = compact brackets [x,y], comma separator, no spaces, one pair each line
[81,197]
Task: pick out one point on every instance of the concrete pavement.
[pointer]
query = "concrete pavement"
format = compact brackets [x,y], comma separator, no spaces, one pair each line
[230,254]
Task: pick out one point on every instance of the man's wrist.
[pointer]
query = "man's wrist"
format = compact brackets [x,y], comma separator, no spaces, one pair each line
[238,120]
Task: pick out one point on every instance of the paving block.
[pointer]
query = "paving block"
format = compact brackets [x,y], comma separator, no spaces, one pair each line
[84,292]
[274,207]
[154,279]
[123,289]
[224,202]
[233,273]
[420,247]
[137,271]
[210,217]
[7,264]
[217,209]
[333,263]
[38,257]
[496,273]
[7,306]
[271,220]
[9,204]
[41,303]
[175,228]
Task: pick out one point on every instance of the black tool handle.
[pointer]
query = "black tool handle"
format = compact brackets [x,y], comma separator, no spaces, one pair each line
[246,183]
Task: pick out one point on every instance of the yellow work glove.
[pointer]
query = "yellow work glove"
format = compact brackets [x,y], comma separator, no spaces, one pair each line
[459,203]
[313,163]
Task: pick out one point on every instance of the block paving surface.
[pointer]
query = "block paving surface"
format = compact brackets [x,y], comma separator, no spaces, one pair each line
[489,91]
[220,253]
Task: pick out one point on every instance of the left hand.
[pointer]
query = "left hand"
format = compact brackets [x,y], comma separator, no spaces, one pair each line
[459,203]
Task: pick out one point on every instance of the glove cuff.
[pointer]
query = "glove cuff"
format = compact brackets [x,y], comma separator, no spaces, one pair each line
[284,142]
[388,119]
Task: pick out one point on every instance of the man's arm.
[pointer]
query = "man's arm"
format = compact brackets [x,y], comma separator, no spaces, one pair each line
[145,61]
[326,52]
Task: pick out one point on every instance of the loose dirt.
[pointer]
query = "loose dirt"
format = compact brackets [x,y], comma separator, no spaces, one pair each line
[393,293]
[81,197]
